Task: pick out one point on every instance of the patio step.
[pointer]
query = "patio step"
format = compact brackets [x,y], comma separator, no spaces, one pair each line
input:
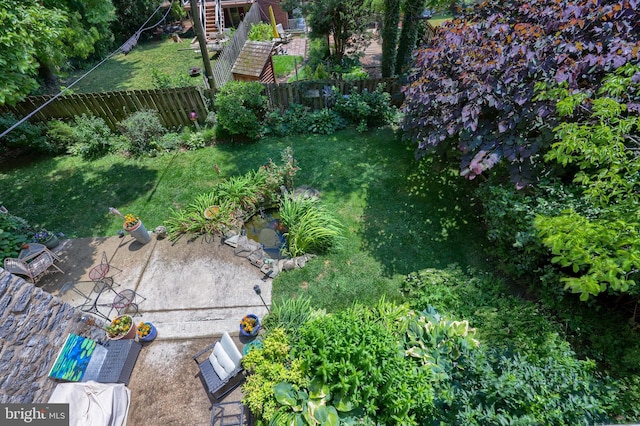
[200,323]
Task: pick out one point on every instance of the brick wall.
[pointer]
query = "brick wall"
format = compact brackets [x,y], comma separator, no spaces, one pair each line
[33,326]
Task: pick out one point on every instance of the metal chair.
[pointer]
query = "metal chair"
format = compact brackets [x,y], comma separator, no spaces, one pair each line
[221,371]
[125,301]
[34,269]
[98,274]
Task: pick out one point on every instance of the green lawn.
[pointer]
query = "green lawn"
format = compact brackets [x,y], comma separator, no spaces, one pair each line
[283,65]
[399,218]
[133,71]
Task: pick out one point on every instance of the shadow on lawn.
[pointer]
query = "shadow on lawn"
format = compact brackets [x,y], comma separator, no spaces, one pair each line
[76,200]
[433,220]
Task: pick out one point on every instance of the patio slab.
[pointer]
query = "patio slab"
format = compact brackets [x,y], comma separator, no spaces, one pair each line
[194,291]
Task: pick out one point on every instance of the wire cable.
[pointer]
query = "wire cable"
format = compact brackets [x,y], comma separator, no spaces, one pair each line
[66,89]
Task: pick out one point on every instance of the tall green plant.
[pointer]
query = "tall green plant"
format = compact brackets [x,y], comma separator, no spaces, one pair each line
[310,227]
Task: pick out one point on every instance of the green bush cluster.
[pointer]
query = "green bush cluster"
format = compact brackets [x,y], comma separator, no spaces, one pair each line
[86,136]
[24,139]
[14,232]
[241,108]
[299,119]
[141,131]
[366,109]
[388,364]
[260,32]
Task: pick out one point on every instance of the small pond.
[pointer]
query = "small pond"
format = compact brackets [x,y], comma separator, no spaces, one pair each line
[266,228]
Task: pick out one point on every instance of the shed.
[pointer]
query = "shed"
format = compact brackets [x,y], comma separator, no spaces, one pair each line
[254,62]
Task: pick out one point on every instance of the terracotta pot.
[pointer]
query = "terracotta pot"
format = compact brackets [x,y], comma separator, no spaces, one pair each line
[131,334]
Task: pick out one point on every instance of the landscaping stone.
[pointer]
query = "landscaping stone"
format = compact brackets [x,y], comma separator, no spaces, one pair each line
[32,329]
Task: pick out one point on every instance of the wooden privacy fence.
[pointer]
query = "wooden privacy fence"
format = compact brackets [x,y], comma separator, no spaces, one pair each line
[222,66]
[173,105]
[314,93]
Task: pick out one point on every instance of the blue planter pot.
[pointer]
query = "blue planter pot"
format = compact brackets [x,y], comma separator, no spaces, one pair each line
[152,334]
[256,328]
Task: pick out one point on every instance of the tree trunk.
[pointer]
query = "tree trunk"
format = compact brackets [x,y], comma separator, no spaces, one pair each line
[202,41]
[389,36]
[409,34]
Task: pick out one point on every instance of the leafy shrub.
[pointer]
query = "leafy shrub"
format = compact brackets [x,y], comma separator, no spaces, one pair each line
[367,108]
[438,343]
[142,129]
[598,253]
[260,32]
[14,231]
[310,227]
[241,107]
[355,353]
[496,387]
[169,141]
[472,88]
[290,315]
[269,366]
[93,138]
[325,122]
[295,120]
[161,80]
[62,134]
[509,215]
[501,318]
[25,138]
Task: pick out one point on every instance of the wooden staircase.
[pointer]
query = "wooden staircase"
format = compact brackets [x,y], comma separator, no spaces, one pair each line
[210,14]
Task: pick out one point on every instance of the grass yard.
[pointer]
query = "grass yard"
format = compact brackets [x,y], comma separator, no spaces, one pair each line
[283,65]
[133,71]
[398,217]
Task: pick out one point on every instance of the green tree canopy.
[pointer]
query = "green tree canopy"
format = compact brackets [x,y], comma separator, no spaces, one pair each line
[28,32]
[346,21]
[42,36]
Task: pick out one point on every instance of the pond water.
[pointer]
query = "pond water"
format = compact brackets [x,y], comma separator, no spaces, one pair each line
[266,228]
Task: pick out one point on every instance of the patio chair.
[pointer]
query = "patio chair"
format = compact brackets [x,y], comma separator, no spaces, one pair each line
[34,269]
[98,274]
[220,368]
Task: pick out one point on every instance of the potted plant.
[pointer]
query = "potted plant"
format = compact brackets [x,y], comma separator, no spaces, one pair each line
[49,239]
[249,325]
[133,225]
[121,327]
[146,331]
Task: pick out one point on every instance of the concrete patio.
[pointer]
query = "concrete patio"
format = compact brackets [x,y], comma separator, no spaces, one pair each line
[194,291]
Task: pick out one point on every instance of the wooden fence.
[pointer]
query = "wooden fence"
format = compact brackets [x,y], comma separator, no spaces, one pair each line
[222,66]
[317,94]
[173,105]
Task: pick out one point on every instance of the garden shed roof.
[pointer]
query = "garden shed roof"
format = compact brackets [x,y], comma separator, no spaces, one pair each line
[252,58]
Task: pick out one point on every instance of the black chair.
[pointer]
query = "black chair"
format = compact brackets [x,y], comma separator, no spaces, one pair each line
[220,368]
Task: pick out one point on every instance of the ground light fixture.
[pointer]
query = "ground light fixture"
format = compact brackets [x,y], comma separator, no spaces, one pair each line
[258,291]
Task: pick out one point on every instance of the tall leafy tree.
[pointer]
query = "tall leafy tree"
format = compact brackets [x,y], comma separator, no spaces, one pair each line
[86,32]
[389,35]
[409,33]
[130,14]
[345,20]
[471,90]
[29,31]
